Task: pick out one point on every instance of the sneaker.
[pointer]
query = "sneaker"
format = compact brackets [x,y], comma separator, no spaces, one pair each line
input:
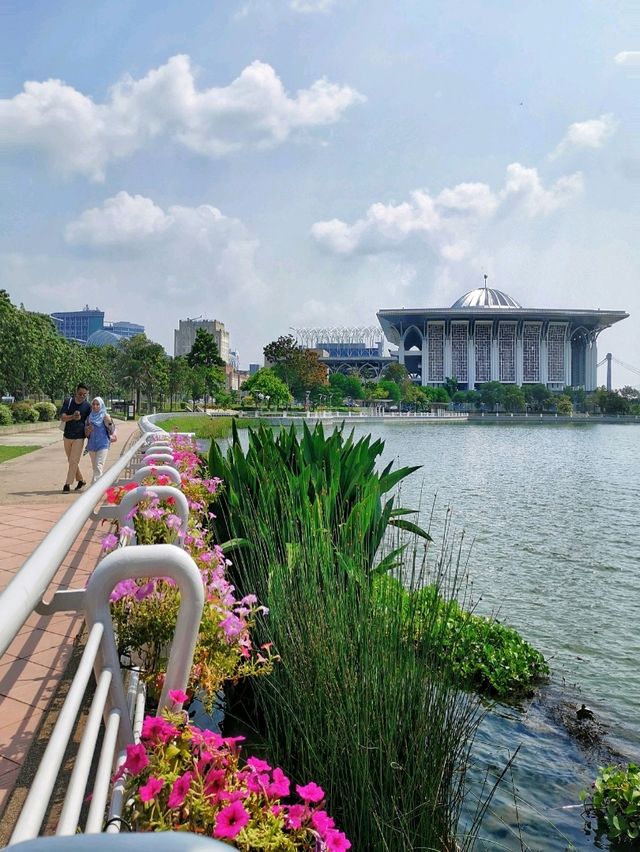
[80,485]
[66,488]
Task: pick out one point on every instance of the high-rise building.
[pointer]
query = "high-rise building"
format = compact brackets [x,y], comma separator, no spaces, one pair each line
[79,325]
[184,336]
[123,328]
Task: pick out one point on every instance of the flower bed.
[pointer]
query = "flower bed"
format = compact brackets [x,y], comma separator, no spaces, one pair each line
[144,612]
[180,777]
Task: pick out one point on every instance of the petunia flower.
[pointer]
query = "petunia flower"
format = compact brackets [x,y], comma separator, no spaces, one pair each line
[150,790]
[179,790]
[137,758]
[230,821]
[310,792]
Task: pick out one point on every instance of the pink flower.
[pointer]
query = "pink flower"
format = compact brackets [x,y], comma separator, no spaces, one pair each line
[280,786]
[258,765]
[322,822]
[230,821]
[179,790]
[109,541]
[123,589]
[151,789]
[146,590]
[337,842]
[296,815]
[157,729]
[311,792]
[214,782]
[136,758]
[178,696]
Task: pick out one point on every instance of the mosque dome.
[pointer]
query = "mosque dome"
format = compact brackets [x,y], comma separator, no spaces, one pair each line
[485,297]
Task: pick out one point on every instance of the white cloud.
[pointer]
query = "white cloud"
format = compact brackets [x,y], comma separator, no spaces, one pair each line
[448,222]
[628,58]
[593,133]
[311,5]
[80,136]
[122,219]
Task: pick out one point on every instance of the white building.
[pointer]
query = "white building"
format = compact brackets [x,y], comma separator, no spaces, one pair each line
[487,336]
[184,336]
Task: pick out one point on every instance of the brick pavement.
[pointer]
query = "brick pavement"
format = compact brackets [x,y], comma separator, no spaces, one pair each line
[31,502]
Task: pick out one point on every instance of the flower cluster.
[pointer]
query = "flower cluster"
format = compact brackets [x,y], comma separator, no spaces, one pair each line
[180,777]
[145,611]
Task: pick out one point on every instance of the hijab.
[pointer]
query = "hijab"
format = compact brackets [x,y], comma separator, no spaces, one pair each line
[96,418]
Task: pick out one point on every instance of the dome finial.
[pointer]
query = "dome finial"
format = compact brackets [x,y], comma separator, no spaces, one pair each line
[485,280]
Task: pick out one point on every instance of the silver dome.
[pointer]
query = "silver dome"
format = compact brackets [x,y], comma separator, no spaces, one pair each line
[485,297]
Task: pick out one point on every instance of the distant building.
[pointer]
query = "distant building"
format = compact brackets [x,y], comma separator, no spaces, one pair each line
[253,369]
[79,325]
[234,359]
[184,336]
[352,351]
[88,326]
[124,328]
[487,336]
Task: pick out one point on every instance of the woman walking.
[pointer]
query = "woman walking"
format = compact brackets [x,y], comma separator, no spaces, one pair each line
[99,428]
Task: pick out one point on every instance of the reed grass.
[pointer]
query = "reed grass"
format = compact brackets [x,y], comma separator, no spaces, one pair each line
[205,426]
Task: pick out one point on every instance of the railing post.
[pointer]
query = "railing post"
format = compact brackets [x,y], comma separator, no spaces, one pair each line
[152,560]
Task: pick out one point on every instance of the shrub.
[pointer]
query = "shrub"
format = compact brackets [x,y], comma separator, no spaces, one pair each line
[24,412]
[46,411]
[615,802]
[5,415]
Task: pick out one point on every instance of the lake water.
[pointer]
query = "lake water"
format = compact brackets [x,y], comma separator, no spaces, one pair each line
[553,514]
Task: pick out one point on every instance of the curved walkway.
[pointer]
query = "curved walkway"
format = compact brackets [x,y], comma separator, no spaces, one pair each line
[31,502]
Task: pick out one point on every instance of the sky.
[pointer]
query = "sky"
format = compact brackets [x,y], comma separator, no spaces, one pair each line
[278,164]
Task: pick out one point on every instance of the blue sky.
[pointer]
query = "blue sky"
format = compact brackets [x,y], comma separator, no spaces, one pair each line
[277,163]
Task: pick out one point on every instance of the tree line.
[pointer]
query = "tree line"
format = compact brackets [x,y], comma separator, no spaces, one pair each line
[36,361]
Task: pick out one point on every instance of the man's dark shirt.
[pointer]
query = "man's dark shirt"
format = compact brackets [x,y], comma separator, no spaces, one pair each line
[75,428]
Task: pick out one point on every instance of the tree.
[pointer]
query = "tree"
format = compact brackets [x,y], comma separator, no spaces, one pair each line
[141,365]
[564,404]
[300,369]
[629,393]
[610,402]
[204,356]
[395,372]
[177,377]
[537,396]
[392,389]
[451,386]
[513,399]
[492,394]
[265,383]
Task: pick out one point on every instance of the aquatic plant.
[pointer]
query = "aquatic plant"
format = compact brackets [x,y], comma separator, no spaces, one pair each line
[331,479]
[483,654]
[615,802]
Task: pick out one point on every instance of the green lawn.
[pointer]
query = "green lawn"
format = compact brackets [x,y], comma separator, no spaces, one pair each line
[207,427]
[7,453]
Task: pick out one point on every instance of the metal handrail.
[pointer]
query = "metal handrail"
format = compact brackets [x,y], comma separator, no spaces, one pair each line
[120,708]
[25,591]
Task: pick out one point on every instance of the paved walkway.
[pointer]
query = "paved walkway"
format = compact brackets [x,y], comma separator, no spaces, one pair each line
[31,501]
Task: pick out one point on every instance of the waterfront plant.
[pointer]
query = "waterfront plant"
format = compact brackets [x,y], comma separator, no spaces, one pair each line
[615,802]
[180,777]
[484,655]
[330,478]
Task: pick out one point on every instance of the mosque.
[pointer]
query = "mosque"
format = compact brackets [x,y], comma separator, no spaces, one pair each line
[486,335]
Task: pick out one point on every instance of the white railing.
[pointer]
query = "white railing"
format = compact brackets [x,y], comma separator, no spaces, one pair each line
[117,706]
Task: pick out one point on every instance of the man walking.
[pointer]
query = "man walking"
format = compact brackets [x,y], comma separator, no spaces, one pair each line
[75,411]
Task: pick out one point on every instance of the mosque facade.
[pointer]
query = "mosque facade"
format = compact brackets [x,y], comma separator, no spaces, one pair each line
[486,335]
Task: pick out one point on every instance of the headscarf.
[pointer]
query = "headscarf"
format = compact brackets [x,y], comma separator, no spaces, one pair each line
[96,417]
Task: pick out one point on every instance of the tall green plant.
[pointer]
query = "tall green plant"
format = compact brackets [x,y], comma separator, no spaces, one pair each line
[331,479]
[384,730]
